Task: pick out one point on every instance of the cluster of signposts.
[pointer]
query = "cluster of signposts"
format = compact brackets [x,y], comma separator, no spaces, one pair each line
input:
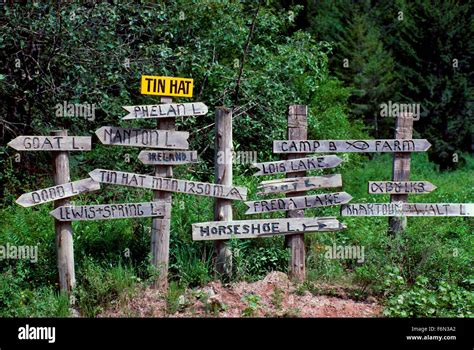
[170,148]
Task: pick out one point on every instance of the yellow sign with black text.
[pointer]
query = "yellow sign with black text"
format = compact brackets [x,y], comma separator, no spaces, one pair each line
[167,86]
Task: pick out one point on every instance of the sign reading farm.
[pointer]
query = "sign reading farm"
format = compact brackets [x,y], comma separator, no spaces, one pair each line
[166,86]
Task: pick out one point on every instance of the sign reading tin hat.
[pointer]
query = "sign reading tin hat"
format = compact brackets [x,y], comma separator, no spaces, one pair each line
[110,135]
[166,86]
[165,110]
[216,230]
[309,146]
[168,184]
[51,143]
[53,193]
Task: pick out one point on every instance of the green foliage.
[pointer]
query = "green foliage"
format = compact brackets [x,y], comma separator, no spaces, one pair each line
[175,292]
[253,305]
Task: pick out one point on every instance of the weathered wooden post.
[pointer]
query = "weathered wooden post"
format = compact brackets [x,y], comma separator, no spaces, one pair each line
[297,130]
[401,170]
[223,176]
[160,231]
[64,239]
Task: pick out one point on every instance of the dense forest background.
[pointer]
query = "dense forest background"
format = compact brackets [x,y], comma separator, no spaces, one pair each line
[341,58]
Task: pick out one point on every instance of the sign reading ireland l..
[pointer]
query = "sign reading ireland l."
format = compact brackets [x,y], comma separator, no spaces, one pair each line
[167,86]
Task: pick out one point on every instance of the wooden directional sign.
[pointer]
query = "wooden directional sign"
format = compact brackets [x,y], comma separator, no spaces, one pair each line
[58,192]
[51,143]
[167,86]
[295,203]
[262,228]
[110,135]
[109,211]
[397,187]
[309,146]
[298,184]
[295,165]
[165,110]
[168,157]
[168,184]
[408,209]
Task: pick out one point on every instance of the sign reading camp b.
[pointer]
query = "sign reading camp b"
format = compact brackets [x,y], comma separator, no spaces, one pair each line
[166,86]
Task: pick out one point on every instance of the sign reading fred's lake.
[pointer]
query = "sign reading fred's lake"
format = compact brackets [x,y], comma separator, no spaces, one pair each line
[168,184]
[111,135]
[165,110]
[110,211]
[310,146]
[408,209]
[57,192]
[216,230]
[51,143]
[166,86]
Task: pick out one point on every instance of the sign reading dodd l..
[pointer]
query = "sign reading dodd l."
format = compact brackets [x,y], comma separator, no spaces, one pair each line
[166,86]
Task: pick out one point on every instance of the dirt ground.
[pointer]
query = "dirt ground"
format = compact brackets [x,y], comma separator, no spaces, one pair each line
[274,296]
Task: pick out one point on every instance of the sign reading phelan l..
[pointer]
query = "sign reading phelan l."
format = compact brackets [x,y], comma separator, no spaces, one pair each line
[110,135]
[51,143]
[58,192]
[216,230]
[294,165]
[166,86]
[295,203]
[309,146]
[168,184]
[168,157]
[165,110]
[110,211]
[408,209]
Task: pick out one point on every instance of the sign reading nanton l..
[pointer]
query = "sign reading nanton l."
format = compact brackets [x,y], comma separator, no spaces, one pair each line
[166,86]
[51,143]
[216,230]
[165,110]
[110,211]
[169,184]
[408,209]
[310,146]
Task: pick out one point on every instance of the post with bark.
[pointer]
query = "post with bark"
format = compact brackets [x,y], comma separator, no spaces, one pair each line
[223,175]
[160,231]
[401,170]
[64,239]
[297,130]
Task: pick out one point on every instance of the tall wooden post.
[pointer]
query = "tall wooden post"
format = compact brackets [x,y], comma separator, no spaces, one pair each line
[297,130]
[401,170]
[160,231]
[64,239]
[223,175]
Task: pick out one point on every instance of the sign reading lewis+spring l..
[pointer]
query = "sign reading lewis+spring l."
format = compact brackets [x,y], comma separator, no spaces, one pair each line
[167,86]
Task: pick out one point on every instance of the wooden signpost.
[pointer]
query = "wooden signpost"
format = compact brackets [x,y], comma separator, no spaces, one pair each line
[166,86]
[110,135]
[168,157]
[311,146]
[57,192]
[400,187]
[221,230]
[51,143]
[109,211]
[401,209]
[296,203]
[299,184]
[297,165]
[165,110]
[168,184]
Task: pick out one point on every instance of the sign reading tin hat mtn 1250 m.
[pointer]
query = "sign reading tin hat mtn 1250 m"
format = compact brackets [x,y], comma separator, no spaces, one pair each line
[166,86]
